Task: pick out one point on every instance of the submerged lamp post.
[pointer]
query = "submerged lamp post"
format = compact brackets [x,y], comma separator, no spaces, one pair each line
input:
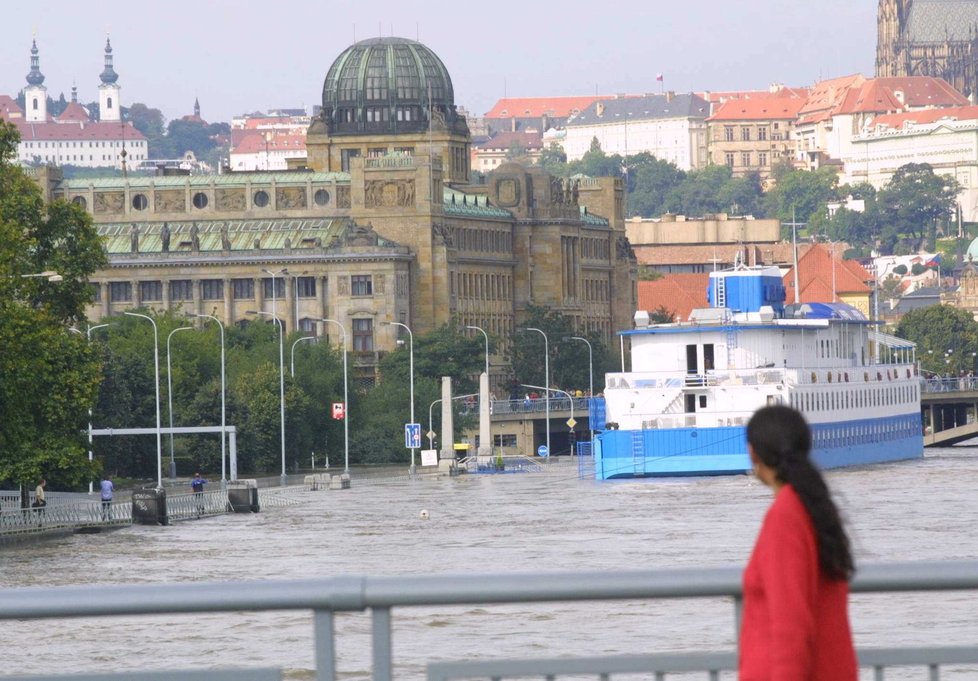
[169,395]
[281,380]
[546,378]
[223,396]
[346,404]
[156,363]
[411,360]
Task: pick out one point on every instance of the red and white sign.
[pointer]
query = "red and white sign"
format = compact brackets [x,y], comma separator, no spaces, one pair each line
[339,411]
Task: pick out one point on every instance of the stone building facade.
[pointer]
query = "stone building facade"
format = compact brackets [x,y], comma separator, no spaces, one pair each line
[396,236]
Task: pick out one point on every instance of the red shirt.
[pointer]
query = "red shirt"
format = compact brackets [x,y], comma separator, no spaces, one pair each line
[795,620]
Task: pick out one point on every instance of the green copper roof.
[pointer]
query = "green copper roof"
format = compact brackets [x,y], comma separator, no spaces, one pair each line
[241,234]
[226,180]
[471,205]
[591,219]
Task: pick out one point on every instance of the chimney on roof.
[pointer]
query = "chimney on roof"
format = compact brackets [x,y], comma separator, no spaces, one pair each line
[669,95]
[775,87]
[599,108]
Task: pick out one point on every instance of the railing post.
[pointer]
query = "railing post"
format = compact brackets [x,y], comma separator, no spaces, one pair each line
[381,626]
[325,642]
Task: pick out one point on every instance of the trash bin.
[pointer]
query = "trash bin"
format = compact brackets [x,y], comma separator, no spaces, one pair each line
[243,496]
[149,507]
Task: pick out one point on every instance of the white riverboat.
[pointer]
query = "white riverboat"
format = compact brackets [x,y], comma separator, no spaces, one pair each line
[683,408]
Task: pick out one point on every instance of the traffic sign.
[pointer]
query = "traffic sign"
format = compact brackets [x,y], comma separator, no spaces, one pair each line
[571,422]
[543,451]
[431,434]
[339,411]
[412,435]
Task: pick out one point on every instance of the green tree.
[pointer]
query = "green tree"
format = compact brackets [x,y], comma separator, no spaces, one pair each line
[742,195]
[650,180]
[150,122]
[700,192]
[937,330]
[596,163]
[48,377]
[913,202]
[801,194]
[553,159]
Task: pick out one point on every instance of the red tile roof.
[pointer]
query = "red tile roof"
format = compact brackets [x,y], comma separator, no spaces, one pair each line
[505,140]
[815,270]
[9,108]
[678,293]
[76,131]
[535,107]
[924,116]
[74,112]
[826,98]
[856,94]
[759,109]
[280,141]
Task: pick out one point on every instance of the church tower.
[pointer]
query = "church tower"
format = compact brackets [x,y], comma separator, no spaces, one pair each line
[35,94]
[108,92]
[891,19]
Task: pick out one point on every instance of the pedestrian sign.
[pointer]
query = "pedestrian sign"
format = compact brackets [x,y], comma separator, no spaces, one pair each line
[412,435]
[571,422]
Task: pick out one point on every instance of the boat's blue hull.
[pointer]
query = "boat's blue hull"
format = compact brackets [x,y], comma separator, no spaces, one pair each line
[723,450]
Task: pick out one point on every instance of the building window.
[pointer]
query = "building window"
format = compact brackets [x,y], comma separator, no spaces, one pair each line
[762,159]
[504,440]
[363,335]
[200,200]
[345,156]
[261,198]
[273,287]
[243,289]
[728,159]
[305,287]
[745,134]
[181,289]
[308,325]
[212,289]
[745,159]
[151,291]
[728,133]
[361,285]
[762,134]
[140,202]
[321,197]
[120,292]
[80,202]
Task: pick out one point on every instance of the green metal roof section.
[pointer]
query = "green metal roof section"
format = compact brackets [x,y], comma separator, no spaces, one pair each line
[225,180]
[591,219]
[460,204]
[301,233]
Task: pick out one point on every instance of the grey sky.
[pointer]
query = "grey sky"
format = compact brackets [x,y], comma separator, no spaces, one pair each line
[242,56]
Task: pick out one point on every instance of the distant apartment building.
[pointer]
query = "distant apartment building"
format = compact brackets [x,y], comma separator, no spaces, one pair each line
[946,139]
[73,138]
[839,109]
[267,141]
[753,134]
[671,127]
[506,146]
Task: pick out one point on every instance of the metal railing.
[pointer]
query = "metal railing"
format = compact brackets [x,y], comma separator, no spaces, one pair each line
[949,384]
[381,595]
[538,404]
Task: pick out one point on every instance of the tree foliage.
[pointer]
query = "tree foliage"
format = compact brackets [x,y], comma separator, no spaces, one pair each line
[945,336]
[913,202]
[48,376]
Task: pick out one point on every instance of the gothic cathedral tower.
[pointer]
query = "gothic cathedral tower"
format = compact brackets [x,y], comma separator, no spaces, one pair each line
[890,21]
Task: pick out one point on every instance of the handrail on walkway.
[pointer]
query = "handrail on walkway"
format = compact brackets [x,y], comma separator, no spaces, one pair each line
[328,596]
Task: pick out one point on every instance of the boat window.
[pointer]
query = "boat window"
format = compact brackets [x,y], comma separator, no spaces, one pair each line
[691,367]
[690,404]
[708,363]
[702,401]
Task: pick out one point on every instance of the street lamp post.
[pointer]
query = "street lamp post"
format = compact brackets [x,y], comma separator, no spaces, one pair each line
[411,360]
[431,437]
[50,275]
[590,374]
[346,404]
[292,360]
[546,378]
[281,379]
[487,344]
[156,363]
[223,396]
[88,339]
[281,273]
[169,395]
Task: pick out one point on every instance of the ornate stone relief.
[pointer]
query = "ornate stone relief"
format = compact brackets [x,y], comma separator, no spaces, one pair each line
[229,199]
[290,197]
[109,202]
[170,201]
[389,193]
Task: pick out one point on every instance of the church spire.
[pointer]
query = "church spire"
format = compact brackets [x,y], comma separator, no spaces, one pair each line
[108,76]
[35,77]
[196,107]
[74,93]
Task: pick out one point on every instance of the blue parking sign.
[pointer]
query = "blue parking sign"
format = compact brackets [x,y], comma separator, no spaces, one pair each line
[412,435]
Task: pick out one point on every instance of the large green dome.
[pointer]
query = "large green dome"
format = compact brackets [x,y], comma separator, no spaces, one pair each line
[383,85]
[972,254]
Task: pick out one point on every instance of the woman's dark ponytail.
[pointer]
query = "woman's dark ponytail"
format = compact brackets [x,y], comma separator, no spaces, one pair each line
[782,440]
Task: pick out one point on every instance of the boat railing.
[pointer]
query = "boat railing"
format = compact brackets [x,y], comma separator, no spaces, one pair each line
[384,596]
[876,373]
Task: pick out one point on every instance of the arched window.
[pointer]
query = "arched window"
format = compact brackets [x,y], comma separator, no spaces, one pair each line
[34,104]
[108,103]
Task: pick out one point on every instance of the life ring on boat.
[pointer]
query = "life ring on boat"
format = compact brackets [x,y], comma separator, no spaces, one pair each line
[879,376]
[830,377]
[814,377]
[847,376]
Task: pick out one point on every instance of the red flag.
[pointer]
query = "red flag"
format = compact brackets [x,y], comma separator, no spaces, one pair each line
[658,77]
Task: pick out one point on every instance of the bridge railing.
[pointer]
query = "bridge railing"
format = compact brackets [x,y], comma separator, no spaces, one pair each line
[538,405]
[382,595]
[949,384]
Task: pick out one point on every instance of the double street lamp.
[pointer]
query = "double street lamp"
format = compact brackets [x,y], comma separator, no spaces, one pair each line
[223,393]
[88,339]
[169,395]
[156,364]
[546,377]
[486,335]
[590,383]
[411,361]
[346,403]
[281,381]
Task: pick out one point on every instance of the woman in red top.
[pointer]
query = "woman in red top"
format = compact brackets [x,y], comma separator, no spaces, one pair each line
[796,586]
